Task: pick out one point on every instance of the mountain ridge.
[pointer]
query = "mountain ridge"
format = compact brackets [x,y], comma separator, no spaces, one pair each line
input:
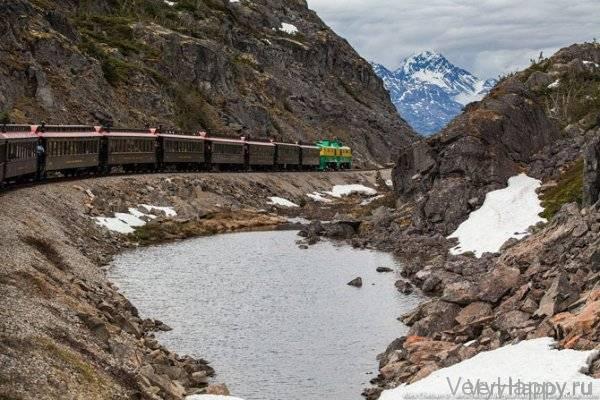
[267,68]
[429,91]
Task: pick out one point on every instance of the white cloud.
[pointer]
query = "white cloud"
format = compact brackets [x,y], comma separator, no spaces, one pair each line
[488,37]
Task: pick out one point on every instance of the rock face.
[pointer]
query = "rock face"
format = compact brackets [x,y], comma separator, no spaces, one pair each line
[591,177]
[527,123]
[225,67]
[475,154]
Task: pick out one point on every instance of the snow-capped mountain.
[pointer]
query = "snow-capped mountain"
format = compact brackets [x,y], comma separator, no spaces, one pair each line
[429,91]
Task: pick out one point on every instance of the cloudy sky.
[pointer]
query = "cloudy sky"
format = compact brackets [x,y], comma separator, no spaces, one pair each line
[487,37]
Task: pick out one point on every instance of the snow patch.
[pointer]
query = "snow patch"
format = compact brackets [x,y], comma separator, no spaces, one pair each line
[522,361]
[288,28]
[299,220]
[346,190]
[319,197]
[554,84]
[126,223]
[505,214]
[280,201]
[169,3]
[368,201]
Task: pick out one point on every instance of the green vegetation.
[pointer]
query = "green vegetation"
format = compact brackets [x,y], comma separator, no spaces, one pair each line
[568,190]
[4,117]
[194,111]
[72,360]
[115,32]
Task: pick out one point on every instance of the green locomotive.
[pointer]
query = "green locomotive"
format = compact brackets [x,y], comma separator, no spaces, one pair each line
[334,155]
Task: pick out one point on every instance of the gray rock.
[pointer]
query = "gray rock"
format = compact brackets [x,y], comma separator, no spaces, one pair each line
[356,282]
[558,297]
[473,312]
[462,292]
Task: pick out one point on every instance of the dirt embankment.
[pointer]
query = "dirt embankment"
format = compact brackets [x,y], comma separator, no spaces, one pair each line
[65,331]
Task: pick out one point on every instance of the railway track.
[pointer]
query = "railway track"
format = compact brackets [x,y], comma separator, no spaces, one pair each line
[66,179]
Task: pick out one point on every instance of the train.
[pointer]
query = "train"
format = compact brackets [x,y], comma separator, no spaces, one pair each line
[38,152]
[334,155]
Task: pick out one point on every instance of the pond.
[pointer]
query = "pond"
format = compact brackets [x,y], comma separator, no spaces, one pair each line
[276,322]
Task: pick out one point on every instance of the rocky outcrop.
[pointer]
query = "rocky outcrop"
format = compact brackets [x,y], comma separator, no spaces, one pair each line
[226,67]
[537,121]
[449,175]
[545,285]
[591,177]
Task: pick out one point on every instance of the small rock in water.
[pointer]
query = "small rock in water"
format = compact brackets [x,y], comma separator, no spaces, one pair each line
[303,247]
[384,269]
[357,282]
[404,286]
[220,389]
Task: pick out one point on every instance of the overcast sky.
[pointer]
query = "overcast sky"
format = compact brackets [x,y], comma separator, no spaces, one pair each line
[487,37]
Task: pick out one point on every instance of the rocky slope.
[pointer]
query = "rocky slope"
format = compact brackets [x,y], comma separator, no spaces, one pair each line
[429,91]
[65,331]
[527,123]
[543,121]
[262,68]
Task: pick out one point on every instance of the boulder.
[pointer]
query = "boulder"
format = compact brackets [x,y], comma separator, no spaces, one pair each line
[512,320]
[539,80]
[356,282]
[559,295]
[473,312]
[218,389]
[433,317]
[493,286]
[404,286]
[384,269]
[463,292]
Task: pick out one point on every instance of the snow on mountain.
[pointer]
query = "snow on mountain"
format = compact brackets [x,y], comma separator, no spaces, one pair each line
[429,91]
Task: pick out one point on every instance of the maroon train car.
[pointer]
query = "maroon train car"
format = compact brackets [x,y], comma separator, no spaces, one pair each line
[70,148]
[288,155]
[260,153]
[311,157]
[19,157]
[227,151]
[130,148]
[183,149]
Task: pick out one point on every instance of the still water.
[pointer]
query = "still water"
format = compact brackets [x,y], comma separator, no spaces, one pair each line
[277,322]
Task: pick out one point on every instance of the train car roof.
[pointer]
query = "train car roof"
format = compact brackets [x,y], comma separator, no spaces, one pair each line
[223,139]
[309,146]
[286,144]
[270,144]
[68,131]
[192,137]
[17,132]
[129,132]
[18,135]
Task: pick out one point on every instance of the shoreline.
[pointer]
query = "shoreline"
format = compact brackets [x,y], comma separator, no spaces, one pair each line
[72,319]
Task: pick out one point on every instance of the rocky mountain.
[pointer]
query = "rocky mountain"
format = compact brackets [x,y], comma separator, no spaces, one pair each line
[429,91]
[537,121]
[263,68]
[543,121]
